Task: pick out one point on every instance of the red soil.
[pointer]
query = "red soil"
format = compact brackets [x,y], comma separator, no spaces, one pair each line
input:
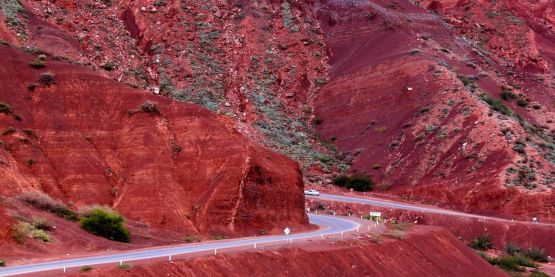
[502,233]
[394,104]
[423,252]
[85,140]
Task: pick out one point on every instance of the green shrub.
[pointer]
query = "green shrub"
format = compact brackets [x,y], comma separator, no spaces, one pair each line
[191,238]
[219,237]
[8,131]
[507,263]
[105,222]
[43,202]
[537,273]
[2,263]
[512,249]
[507,94]
[521,102]
[20,232]
[355,182]
[38,63]
[41,224]
[124,266]
[108,66]
[24,230]
[536,254]
[5,108]
[483,242]
[38,234]
[47,78]
[496,105]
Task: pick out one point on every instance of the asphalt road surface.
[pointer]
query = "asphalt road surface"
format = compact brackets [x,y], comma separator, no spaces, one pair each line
[329,225]
[413,207]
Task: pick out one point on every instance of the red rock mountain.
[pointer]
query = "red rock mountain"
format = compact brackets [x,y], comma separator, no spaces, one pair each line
[88,140]
[448,102]
[457,109]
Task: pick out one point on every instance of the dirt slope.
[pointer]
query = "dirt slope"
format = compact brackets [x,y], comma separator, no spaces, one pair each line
[85,139]
[429,252]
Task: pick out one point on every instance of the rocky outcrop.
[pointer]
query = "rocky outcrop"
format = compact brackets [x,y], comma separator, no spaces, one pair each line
[88,140]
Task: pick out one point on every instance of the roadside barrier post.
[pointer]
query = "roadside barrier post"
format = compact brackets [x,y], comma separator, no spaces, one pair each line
[215,251]
[255,245]
[170,258]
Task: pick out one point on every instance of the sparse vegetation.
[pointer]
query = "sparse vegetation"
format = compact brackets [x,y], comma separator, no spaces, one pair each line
[108,66]
[41,224]
[356,182]
[43,202]
[512,263]
[318,120]
[105,222]
[31,86]
[150,107]
[483,242]
[2,262]
[496,105]
[124,266]
[219,237]
[38,63]
[507,94]
[47,78]
[537,273]
[86,269]
[191,238]
[536,254]
[5,108]
[24,230]
[522,102]
[8,131]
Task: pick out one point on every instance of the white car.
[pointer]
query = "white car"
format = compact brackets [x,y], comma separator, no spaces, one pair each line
[311,192]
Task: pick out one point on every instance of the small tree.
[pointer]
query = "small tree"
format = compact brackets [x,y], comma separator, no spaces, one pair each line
[106,223]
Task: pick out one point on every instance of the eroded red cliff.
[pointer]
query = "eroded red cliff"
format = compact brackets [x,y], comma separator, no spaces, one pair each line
[88,140]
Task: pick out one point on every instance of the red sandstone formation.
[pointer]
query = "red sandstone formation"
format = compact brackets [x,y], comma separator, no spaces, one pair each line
[88,140]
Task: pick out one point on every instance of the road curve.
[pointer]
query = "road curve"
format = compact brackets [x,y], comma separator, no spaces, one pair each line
[416,208]
[329,225]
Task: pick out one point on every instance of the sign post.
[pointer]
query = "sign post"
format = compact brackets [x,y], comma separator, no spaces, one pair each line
[286,231]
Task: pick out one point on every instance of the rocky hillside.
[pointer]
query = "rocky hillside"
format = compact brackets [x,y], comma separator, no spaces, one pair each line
[456,109]
[448,102]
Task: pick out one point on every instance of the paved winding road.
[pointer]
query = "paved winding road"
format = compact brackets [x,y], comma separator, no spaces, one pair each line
[411,207]
[329,225]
